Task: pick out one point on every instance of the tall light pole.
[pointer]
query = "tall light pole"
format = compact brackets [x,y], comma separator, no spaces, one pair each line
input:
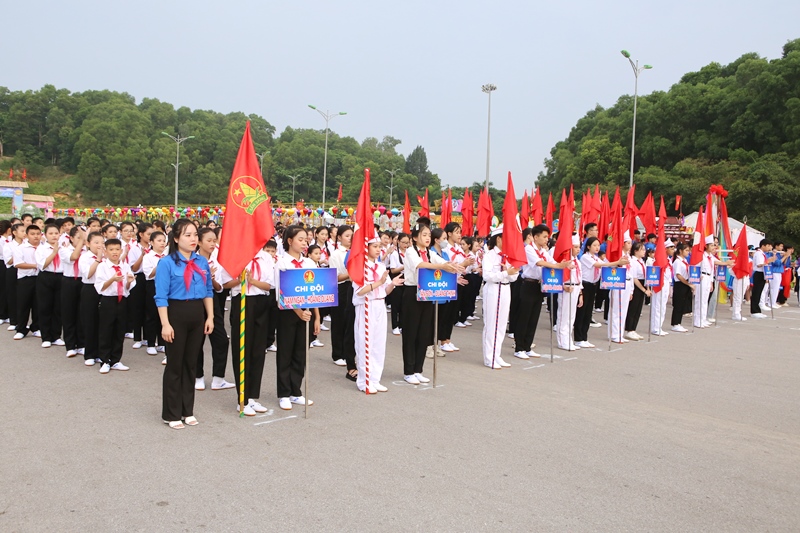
[488,89]
[636,71]
[391,186]
[178,141]
[261,158]
[294,179]
[328,116]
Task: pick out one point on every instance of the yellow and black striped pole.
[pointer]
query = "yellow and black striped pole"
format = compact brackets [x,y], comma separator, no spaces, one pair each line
[242,299]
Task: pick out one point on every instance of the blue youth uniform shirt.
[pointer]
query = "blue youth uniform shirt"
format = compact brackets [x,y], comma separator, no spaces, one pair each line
[170,283]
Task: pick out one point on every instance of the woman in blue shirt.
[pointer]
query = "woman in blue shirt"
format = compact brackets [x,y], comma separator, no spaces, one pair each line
[184,297]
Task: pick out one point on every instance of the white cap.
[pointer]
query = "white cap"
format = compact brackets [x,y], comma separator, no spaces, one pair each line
[576,241]
[497,231]
[375,239]
[626,237]
[669,244]
[709,239]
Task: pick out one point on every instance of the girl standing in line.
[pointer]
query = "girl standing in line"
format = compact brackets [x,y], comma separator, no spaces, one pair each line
[90,299]
[152,324]
[640,290]
[396,266]
[71,284]
[683,291]
[497,274]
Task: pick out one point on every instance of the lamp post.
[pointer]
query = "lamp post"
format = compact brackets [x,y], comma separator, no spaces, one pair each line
[261,158]
[636,71]
[294,179]
[328,116]
[391,185]
[488,89]
[178,141]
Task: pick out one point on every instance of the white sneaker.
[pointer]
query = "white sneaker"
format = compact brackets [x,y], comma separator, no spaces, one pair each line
[37,334]
[765,307]
[164,362]
[199,384]
[136,345]
[521,355]
[454,347]
[327,318]
[81,351]
[429,352]
[421,378]
[248,410]
[706,324]
[446,348]
[89,362]
[220,384]
[584,344]
[511,335]
[72,353]
[285,404]
[596,310]
[479,297]
[19,337]
[105,369]
[119,366]
[300,400]
[380,388]
[502,363]
[532,354]
[129,335]
[570,348]
[46,344]
[151,351]
[272,348]
[631,335]
[460,325]
[316,344]
[496,366]
[257,407]
[740,319]
[412,379]
[679,329]
[712,320]
[396,331]
[754,315]
[161,349]
[595,325]
[473,317]
[323,327]
[144,343]
[340,362]
[59,342]
[11,328]
[467,323]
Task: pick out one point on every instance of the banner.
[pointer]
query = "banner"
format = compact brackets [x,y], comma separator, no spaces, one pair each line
[767,271]
[305,288]
[694,274]
[652,276]
[552,280]
[722,273]
[613,278]
[436,286]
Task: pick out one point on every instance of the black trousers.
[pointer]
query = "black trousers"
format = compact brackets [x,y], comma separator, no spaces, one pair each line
[90,319]
[187,318]
[3,293]
[152,322]
[290,361]
[513,313]
[11,294]
[466,306]
[136,308]
[48,298]
[113,316]
[71,312]
[583,315]
[255,343]
[681,302]
[448,314]
[219,343]
[417,331]
[27,305]
[758,288]
[343,318]
[272,317]
[635,309]
[601,302]
[395,299]
[531,295]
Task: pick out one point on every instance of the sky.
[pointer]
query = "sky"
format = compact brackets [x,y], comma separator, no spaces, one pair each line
[410,69]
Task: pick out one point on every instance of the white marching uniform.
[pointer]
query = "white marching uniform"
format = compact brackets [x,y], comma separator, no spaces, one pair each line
[703,290]
[774,286]
[739,288]
[496,304]
[568,306]
[376,300]
[618,306]
[658,300]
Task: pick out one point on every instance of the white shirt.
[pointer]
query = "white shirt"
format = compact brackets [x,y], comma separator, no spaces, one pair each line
[636,268]
[8,252]
[262,267]
[534,255]
[396,259]
[337,262]
[85,262]
[589,272]
[25,253]
[134,253]
[105,271]
[412,261]
[69,267]
[285,262]
[493,271]
[575,276]
[379,292]
[150,262]
[42,253]
[680,266]
[759,258]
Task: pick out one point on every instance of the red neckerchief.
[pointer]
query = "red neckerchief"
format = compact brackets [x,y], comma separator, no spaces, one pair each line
[577,267]
[56,261]
[118,270]
[191,267]
[255,269]
[374,270]
[127,251]
[297,263]
[540,254]
[424,255]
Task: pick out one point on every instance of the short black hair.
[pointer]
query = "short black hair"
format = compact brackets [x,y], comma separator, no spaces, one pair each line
[32,227]
[541,228]
[764,242]
[112,242]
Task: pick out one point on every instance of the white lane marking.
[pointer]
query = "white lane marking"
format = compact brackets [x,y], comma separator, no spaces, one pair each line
[268,413]
[534,366]
[570,359]
[276,420]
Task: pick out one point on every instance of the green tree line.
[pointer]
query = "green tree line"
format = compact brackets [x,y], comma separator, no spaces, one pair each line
[737,125]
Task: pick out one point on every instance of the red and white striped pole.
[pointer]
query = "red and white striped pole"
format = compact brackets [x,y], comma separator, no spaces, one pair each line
[366,318]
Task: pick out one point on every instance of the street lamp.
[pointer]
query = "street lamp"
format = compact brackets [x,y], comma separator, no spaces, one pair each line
[391,186]
[488,89]
[294,179]
[261,158]
[178,141]
[328,116]
[636,71]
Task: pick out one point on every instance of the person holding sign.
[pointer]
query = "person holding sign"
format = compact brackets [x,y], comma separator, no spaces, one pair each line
[618,308]
[497,274]
[757,305]
[569,300]
[417,318]
[290,361]
[708,267]
[658,302]
[682,291]
[377,285]
[636,272]
[343,347]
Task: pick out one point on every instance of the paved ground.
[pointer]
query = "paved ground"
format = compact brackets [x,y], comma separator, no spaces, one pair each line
[691,433]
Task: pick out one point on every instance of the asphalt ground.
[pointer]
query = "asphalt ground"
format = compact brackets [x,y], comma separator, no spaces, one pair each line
[690,432]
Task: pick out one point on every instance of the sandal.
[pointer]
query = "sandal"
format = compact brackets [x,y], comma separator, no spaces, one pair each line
[191,421]
[175,424]
[352,375]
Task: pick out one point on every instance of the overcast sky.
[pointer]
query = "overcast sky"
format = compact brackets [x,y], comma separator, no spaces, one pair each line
[410,69]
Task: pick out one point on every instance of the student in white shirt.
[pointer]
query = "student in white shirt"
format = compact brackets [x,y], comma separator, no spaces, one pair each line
[152,322]
[5,238]
[48,287]
[343,348]
[25,263]
[756,297]
[620,299]
[71,285]
[682,291]
[395,298]
[636,271]
[659,299]
[17,237]
[569,300]
[113,282]
[497,275]
[90,299]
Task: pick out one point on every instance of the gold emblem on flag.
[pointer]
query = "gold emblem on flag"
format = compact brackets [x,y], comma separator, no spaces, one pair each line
[248,193]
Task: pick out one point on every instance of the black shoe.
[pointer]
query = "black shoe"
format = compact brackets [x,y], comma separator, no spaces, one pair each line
[350,376]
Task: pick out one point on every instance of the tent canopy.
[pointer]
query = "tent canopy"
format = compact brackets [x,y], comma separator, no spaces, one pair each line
[753,235]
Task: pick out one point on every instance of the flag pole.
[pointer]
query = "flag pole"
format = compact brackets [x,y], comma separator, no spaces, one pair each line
[242,300]
[305,377]
[552,322]
[650,318]
[366,323]
[435,339]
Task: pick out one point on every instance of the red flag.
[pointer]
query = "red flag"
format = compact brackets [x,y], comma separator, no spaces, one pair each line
[248,211]
[513,248]
[467,209]
[537,210]
[423,202]
[364,230]
[699,245]
[597,204]
[711,214]
[648,214]
[11,173]
[677,202]
[24,174]
[485,213]
[586,209]
[617,231]
[524,214]
[605,218]
[407,216]
[548,217]
[339,196]
[725,241]
[566,224]
[631,211]
[444,219]
[741,267]
[660,258]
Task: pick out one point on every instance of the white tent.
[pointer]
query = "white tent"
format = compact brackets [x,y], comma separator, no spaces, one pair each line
[753,235]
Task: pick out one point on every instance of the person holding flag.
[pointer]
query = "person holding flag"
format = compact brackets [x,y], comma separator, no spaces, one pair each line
[663,258]
[708,265]
[741,274]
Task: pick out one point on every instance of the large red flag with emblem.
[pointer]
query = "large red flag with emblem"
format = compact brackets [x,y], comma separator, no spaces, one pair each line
[364,231]
[407,216]
[248,212]
[513,248]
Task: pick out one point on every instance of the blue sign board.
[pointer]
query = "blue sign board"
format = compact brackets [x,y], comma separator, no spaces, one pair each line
[652,276]
[722,273]
[694,274]
[613,278]
[304,288]
[436,285]
[552,280]
[767,271]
